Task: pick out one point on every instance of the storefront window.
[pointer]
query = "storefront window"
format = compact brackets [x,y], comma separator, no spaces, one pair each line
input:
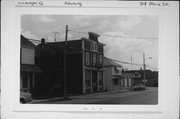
[100,78]
[115,81]
[88,78]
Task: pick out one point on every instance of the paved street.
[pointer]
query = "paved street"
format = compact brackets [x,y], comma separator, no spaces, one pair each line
[148,96]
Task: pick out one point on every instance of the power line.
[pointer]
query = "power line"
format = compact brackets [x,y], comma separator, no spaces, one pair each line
[95,25]
[128,63]
[78,32]
[151,67]
[110,36]
[115,35]
[125,62]
[55,33]
[85,27]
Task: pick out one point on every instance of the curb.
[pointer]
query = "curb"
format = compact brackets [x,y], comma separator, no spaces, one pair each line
[45,100]
[61,98]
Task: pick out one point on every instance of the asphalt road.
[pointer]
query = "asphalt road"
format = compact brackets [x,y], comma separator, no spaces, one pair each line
[148,96]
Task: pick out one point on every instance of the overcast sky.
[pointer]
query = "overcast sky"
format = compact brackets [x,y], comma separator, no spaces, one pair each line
[138,34]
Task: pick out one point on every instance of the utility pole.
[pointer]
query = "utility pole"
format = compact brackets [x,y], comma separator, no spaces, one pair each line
[65,64]
[132,81]
[131,63]
[144,67]
[55,33]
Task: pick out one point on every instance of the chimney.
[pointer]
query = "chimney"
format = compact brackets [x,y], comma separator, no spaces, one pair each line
[93,36]
[43,41]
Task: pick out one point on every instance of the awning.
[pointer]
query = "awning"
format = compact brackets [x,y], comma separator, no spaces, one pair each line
[30,68]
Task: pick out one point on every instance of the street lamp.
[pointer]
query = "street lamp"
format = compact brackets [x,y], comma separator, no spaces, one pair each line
[144,65]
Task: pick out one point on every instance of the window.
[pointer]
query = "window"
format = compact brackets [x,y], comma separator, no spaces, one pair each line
[94,59]
[100,59]
[100,78]
[116,70]
[87,58]
[87,45]
[115,81]
[88,78]
[127,82]
[100,48]
[94,46]
[136,75]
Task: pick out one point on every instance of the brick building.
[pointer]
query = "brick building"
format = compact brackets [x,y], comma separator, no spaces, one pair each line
[84,65]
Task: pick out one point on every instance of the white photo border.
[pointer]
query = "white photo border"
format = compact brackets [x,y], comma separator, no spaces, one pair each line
[11,65]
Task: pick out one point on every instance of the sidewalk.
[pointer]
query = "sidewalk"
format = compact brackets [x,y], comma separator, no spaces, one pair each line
[77,96]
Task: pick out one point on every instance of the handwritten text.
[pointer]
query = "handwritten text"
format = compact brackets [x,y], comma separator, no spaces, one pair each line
[165,4]
[31,3]
[68,3]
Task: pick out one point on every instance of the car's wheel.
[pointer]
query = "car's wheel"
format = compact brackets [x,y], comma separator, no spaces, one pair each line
[22,101]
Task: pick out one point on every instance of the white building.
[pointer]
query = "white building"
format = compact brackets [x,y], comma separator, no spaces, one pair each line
[113,76]
[28,67]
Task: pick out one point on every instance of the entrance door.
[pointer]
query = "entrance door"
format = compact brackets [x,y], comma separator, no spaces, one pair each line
[94,81]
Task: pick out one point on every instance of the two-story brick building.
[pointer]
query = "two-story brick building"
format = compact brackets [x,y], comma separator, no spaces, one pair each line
[28,69]
[84,65]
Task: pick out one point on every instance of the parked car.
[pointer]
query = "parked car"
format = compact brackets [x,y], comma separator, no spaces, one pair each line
[25,97]
[138,87]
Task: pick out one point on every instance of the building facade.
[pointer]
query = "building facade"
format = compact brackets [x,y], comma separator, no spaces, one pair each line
[114,78]
[127,80]
[84,65]
[151,77]
[28,69]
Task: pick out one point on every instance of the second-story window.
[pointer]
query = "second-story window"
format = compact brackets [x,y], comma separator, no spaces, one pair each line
[100,48]
[116,70]
[94,58]
[94,46]
[87,58]
[87,45]
[100,59]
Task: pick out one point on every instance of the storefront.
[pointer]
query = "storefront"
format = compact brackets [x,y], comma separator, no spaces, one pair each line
[27,77]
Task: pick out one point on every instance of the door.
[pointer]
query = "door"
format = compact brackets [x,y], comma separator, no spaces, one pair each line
[94,81]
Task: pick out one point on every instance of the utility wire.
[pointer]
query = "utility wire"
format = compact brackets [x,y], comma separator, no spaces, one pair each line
[78,31]
[94,25]
[37,41]
[125,62]
[114,35]
[151,67]
[128,63]
[85,27]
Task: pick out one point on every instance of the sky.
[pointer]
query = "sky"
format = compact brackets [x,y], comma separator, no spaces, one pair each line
[126,37]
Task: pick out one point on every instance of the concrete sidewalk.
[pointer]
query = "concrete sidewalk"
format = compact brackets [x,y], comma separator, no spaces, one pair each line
[77,96]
